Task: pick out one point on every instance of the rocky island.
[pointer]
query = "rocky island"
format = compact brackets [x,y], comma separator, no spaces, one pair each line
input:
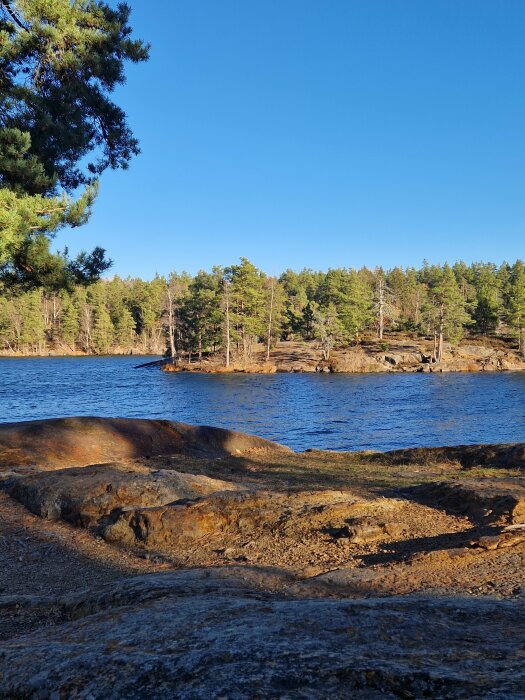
[147,558]
[399,353]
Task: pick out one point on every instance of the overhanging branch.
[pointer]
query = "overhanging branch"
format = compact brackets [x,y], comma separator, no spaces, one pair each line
[7,7]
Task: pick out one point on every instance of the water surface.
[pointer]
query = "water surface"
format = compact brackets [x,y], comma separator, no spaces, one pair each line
[332,411]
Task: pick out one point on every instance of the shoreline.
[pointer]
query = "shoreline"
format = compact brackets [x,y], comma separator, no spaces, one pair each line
[112,527]
[166,366]
[395,354]
[25,356]
[431,370]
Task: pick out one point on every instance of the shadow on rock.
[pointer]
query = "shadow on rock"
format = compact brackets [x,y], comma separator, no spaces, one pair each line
[73,442]
[222,635]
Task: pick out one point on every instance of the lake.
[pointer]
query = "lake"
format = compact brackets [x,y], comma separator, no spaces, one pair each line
[332,411]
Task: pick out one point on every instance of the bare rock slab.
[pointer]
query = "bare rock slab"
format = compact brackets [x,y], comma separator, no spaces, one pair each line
[202,635]
[84,495]
[223,514]
[73,442]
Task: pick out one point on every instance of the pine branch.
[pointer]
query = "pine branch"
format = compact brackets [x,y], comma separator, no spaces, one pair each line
[5,4]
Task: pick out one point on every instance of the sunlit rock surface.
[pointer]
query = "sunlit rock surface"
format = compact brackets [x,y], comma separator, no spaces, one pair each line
[72,442]
[265,573]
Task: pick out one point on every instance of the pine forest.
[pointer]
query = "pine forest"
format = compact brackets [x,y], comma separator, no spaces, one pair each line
[230,310]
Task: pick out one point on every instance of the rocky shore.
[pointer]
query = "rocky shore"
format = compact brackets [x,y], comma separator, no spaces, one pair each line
[152,559]
[397,354]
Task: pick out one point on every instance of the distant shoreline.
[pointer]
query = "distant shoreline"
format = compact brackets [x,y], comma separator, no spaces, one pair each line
[15,355]
[395,354]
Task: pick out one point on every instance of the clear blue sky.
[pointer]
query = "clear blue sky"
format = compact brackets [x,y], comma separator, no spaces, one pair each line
[316,133]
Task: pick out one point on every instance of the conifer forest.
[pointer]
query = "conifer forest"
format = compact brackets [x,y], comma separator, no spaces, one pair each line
[185,316]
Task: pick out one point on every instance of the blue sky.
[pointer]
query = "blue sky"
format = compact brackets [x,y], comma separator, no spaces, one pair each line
[319,133]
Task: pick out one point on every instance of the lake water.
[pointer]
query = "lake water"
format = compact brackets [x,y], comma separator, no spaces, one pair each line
[333,411]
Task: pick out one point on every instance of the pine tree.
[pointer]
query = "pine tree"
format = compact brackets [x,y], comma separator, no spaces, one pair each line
[349,293]
[69,321]
[447,308]
[465,277]
[408,298]
[103,332]
[274,311]
[32,337]
[176,292]
[6,328]
[517,303]
[383,302]
[247,304]
[59,63]
[124,328]
[145,304]
[117,293]
[296,319]
[328,329]
[488,297]
[203,311]
[227,330]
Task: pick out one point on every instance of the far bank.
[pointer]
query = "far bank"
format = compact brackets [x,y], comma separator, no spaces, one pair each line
[396,353]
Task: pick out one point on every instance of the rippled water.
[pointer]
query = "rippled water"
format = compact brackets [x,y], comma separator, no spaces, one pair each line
[342,412]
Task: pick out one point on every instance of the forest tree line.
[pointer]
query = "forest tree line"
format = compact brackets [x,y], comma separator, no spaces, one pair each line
[230,309]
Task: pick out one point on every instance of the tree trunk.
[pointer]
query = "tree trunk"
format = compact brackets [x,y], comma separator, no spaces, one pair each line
[416,313]
[270,322]
[244,345]
[171,329]
[88,318]
[381,309]
[441,331]
[440,346]
[227,300]
[56,315]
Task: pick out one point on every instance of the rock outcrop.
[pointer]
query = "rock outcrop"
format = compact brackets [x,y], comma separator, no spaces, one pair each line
[206,521]
[205,634]
[396,353]
[84,495]
[289,520]
[79,441]
[286,575]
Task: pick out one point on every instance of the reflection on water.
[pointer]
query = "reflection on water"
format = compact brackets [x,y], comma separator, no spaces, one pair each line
[342,412]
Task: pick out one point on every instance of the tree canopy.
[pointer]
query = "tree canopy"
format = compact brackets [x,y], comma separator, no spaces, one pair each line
[232,309]
[60,61]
